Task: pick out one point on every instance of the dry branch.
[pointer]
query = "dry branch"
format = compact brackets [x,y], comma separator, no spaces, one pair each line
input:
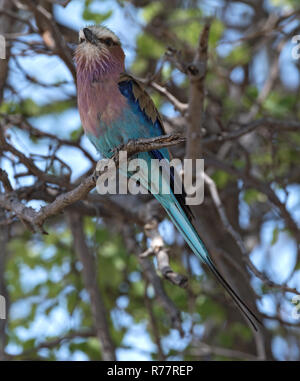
[197,72]
[35,220]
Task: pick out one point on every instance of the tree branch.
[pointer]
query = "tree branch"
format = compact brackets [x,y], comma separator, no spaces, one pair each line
[197,72]
[90,281]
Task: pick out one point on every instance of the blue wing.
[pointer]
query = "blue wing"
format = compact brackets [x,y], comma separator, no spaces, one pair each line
[142,105]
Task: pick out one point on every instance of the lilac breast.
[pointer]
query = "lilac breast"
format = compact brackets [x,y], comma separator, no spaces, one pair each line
[99,100]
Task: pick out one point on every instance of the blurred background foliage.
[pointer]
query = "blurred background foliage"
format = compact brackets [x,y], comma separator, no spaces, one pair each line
[250,75]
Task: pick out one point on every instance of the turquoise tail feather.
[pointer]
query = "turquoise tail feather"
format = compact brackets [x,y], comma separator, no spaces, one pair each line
[186,228]
[189,233]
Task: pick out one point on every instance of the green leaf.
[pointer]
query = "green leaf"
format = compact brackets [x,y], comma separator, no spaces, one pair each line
[221,178]
[252,195]
[97,17]
[239,56]
[75,134]
[149,47]
[216,32]
[72,300]
[151,10]
[275,236]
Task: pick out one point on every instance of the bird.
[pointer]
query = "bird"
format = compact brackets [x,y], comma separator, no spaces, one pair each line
[115,108]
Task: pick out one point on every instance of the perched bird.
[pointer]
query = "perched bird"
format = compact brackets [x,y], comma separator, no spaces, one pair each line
[114,108]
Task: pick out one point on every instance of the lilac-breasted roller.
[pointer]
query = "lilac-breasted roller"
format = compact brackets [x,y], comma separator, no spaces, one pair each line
[114,108]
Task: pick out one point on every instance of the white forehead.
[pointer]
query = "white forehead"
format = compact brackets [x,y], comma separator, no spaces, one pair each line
[101,32]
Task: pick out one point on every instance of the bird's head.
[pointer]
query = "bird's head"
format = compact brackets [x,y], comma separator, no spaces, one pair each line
[99,49]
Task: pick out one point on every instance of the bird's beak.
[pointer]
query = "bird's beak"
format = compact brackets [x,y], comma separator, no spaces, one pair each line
[90,37]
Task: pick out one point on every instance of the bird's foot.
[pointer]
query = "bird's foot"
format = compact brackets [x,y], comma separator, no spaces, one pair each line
[95,176]
[116,150]
[122,147]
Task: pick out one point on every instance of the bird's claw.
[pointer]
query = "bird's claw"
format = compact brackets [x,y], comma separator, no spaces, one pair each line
[95,176]
[116,150]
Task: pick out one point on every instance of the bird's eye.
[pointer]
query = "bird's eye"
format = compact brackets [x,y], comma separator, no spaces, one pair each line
[108,42]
